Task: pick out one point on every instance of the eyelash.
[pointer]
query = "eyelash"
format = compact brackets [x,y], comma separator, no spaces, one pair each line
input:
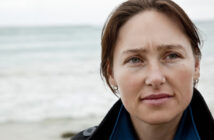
[134,60]
[172,56]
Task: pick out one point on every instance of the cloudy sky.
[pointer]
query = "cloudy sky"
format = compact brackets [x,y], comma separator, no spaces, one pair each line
[62,12]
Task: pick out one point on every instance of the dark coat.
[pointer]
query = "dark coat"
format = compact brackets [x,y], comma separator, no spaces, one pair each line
[202,117]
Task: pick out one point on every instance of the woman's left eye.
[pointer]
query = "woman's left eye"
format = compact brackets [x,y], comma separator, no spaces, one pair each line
[172,56]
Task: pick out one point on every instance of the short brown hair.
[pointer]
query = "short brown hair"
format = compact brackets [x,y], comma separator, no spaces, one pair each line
[132,7]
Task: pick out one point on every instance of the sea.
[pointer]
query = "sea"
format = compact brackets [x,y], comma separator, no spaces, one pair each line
[53,73]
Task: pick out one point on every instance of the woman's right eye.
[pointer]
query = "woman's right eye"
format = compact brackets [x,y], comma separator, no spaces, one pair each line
[134,60]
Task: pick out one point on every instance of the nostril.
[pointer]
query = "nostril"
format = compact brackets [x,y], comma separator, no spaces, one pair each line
[155,76]
[163,80]
[155,82]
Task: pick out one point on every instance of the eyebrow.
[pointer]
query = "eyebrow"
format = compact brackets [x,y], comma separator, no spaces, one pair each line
[170,47]
[159,48]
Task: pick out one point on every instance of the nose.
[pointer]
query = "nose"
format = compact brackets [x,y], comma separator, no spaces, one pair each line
[155,77]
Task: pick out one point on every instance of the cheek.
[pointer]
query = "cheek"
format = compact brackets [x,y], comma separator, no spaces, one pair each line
[129,83]
[185,76]
[184,83]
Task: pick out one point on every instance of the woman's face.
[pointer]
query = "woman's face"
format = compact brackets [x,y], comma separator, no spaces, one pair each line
[154,68]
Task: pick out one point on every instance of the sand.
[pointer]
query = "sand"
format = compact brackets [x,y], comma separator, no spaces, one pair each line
[46,130]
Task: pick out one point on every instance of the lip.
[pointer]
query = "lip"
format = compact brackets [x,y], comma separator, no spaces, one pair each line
[157,99]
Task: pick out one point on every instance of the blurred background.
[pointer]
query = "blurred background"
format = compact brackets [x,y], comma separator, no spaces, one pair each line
[50,84]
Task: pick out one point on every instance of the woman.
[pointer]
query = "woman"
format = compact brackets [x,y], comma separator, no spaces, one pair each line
[151,59]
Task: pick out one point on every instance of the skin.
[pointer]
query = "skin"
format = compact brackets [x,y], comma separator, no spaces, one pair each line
[154,57]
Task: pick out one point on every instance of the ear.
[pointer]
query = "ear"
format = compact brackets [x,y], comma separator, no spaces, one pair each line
[112,81]
[197,69]
[111,76]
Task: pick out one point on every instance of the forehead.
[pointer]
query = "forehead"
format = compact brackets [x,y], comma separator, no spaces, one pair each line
[151,28]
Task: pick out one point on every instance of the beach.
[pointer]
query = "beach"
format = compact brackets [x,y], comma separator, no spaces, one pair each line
[50,80]
[45,130]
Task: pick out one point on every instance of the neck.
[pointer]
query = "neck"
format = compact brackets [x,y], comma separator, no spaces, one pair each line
[163,131]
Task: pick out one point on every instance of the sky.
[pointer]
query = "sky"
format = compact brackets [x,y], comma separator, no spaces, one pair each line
[67,12]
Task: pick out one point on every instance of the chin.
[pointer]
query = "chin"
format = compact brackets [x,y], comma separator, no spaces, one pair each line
[157,121]
[161,119]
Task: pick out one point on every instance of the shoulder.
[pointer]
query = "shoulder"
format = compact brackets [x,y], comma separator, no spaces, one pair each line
[202,116]
[104,129]
[85,134]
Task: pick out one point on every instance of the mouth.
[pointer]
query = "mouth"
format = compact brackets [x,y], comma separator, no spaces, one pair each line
[156,99]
